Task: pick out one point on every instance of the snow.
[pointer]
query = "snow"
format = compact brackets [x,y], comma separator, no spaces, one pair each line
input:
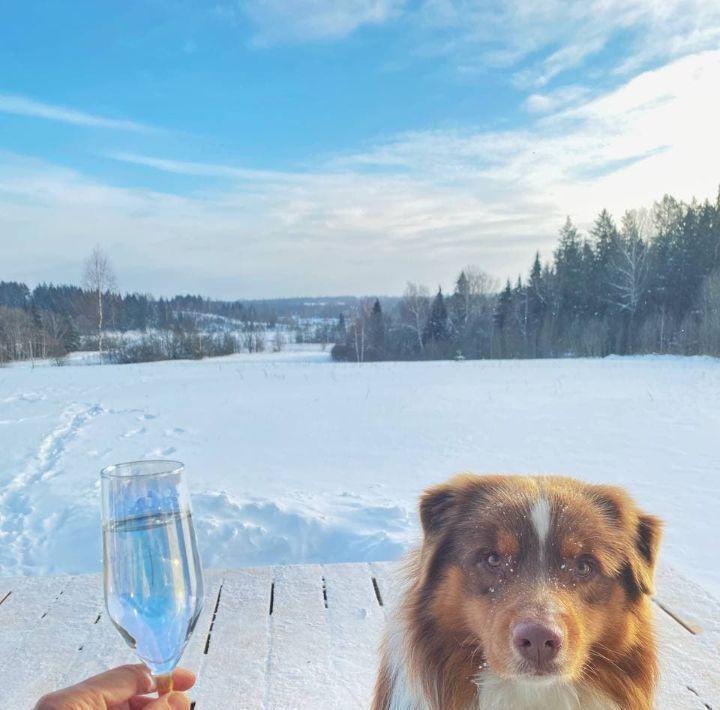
[293,458]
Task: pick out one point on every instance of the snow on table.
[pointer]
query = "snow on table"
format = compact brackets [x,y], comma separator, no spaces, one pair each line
[292,637]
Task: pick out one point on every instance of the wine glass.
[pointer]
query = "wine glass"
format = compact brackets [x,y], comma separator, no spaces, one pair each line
[153,577]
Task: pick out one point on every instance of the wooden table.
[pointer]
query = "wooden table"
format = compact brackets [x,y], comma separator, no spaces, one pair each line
[291,637]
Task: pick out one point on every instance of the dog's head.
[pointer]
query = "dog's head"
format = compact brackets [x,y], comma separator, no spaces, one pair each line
[543,573]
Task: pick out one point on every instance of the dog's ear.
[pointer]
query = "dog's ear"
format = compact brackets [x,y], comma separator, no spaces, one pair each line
[649,532]
[436,505]
[439,504]
[646,543]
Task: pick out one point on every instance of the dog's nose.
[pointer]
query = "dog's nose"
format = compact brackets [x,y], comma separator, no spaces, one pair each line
[537,642]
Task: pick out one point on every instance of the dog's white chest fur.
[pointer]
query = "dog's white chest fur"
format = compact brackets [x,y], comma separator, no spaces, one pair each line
[498,694]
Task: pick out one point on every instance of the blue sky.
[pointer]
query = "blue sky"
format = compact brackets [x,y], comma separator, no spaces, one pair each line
[250,148]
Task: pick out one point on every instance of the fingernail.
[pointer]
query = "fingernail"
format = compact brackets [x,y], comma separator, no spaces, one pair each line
[150,683]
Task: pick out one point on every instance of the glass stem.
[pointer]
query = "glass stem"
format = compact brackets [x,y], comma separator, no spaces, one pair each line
[164,684]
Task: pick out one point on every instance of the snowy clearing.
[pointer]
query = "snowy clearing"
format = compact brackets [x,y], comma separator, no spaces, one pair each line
[292,458]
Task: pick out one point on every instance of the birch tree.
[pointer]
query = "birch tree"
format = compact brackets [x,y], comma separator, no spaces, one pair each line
[99,278]
[629,269]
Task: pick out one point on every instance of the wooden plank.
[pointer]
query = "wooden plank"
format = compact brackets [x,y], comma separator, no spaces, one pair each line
[23,610]
[101,649]
[689,670]
[194,655]
[8,587]
[39,665]
[300,674]
[233,675]
[690,604]
[356,624]
[389,579]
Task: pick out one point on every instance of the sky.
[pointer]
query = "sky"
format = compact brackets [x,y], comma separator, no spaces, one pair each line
[269,148]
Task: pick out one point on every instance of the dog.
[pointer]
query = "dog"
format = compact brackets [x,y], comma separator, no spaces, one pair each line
[527,592]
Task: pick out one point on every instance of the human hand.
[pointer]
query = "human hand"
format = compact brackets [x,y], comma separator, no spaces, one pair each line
[123,688]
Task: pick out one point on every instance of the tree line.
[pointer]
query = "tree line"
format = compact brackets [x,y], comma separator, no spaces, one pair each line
[51,320]
[650,284]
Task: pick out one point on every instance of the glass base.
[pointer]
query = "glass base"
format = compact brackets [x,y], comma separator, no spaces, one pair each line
[164,684]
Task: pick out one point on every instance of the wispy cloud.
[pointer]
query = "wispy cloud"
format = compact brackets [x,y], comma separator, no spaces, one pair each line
[537,42]
[551,37]
[554,100]
[213,170]
[278,21]
[23,106]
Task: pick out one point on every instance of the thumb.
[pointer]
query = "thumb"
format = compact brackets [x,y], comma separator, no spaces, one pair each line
[171,701]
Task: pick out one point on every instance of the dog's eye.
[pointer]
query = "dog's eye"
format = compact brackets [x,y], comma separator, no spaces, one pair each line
[493,559]
[584,567]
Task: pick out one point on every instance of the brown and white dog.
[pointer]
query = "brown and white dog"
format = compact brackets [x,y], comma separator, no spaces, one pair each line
[527,592]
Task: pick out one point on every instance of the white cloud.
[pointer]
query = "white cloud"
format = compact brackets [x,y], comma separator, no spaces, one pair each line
[181,167]
[554,100]
[418,206]
[661,115]
[276,21]
[554,36]
[22,106]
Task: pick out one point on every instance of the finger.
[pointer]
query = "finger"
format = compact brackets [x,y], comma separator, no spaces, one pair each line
[121,684]
[172,701]
[183,679]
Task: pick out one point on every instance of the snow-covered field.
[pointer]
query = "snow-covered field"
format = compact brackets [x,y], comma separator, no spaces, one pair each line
[292,458]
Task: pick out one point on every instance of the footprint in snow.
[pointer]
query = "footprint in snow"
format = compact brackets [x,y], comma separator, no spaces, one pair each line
[175,431]
[165,451]
[134,432]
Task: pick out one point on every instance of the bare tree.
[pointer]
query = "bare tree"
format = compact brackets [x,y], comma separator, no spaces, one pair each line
[416,307]
[482,292]
[358,328]
[99,278]
[17,334]
[480,283]
[279,341]
[629,268]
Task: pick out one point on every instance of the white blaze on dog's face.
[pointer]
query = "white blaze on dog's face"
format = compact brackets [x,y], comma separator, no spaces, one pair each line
[540,516]
[539,571]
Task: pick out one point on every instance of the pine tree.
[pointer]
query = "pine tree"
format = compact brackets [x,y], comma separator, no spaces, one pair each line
[537,304]
[376,333]
[605,238]
[461,301]
[571,279]
[437,328]
[340,328]
[503,312]
[71,337]
[36,319]
[604,234]
[14,294]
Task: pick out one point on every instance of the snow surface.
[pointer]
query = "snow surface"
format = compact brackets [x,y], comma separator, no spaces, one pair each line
[293,458]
